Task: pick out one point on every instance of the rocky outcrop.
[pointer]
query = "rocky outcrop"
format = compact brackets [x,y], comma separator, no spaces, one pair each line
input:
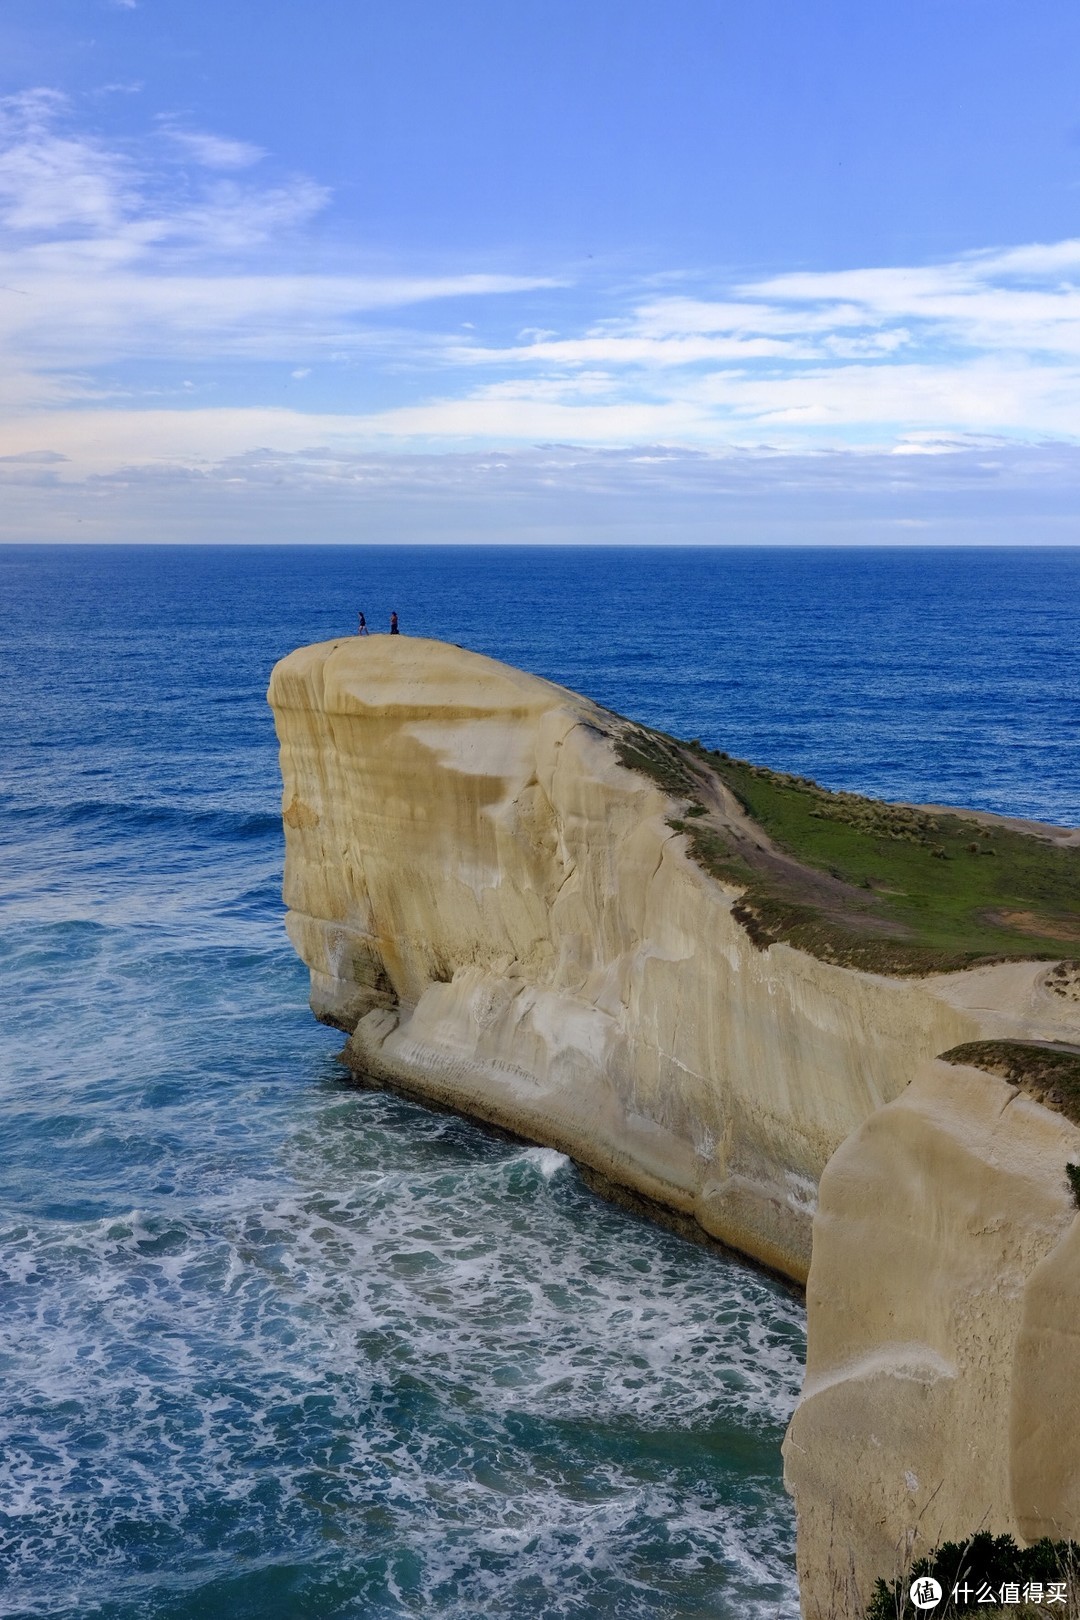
[500,915]
[941,1393]
[502,918]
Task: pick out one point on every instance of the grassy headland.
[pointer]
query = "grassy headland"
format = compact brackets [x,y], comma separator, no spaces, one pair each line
[887,887]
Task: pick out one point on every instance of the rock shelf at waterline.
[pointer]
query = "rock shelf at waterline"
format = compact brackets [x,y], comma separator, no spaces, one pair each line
[720,988]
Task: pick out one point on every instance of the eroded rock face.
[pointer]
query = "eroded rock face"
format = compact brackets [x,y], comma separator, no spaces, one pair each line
[500,915]
[942,1393]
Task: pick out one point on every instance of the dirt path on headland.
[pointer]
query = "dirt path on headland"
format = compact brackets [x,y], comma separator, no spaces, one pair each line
[838,901]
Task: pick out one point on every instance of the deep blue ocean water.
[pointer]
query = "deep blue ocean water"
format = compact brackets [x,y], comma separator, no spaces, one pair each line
[272,1346]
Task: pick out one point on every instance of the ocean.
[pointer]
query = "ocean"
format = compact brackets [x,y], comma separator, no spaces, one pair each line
[276,1346]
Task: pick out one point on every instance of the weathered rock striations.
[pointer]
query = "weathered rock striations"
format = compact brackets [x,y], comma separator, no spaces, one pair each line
[502,918]
[942,1394]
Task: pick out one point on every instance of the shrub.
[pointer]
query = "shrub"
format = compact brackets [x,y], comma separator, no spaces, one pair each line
[984,1560]
[1073,1173]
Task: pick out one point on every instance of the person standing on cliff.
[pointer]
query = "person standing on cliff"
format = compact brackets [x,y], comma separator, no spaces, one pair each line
[362,628]
[394,631]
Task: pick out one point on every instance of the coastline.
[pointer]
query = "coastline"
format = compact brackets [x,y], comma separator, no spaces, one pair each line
[513,902]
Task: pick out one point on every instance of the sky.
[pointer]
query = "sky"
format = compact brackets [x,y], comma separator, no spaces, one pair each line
[706,271]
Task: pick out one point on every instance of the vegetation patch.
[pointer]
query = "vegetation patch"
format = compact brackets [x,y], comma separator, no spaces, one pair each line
[888,888]
[1064,980]
[1017,1581]
[658,757]
[1043,1069]
[1072,1171]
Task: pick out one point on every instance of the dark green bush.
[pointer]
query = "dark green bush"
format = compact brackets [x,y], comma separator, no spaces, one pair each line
[1073,1173]
[993,1560]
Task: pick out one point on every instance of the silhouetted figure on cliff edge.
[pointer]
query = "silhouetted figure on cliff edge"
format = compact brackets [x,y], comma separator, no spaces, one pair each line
[394,631]
[362,628]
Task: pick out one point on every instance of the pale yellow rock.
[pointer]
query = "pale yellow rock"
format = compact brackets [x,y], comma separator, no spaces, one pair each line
[1044,1417]
[501,915]
[942,1394]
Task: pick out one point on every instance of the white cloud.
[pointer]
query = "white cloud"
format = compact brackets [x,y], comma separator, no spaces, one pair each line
[1020,299]
[107,262]
[125,270]
[989,342]
[216,151]
[51,181]
[635,350]
[981,493]
[590,410]
[682,317]
[78,310]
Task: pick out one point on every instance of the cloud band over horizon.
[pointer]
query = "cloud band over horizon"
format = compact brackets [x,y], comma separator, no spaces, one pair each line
[175,314]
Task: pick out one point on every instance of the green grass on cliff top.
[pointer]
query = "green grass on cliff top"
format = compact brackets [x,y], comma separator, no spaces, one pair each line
[911,891]
[951,882]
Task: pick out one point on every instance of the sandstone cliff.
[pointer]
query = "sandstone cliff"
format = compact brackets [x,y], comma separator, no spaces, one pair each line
[503,919]
[942,1391]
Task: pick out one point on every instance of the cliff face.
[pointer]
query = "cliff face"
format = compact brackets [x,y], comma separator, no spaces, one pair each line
[500,915]
[941,1393]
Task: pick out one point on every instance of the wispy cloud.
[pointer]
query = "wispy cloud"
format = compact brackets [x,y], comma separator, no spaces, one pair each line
[1024,299]
[52,181]
[108,260]
[986,343]
[192,250]
[216,151]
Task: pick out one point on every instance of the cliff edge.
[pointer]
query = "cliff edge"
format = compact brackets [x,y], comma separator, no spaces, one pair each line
[523,907]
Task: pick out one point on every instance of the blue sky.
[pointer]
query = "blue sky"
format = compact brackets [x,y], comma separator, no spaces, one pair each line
[717,270]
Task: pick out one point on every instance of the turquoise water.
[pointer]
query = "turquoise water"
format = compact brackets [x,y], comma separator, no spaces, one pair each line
[274,1346]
